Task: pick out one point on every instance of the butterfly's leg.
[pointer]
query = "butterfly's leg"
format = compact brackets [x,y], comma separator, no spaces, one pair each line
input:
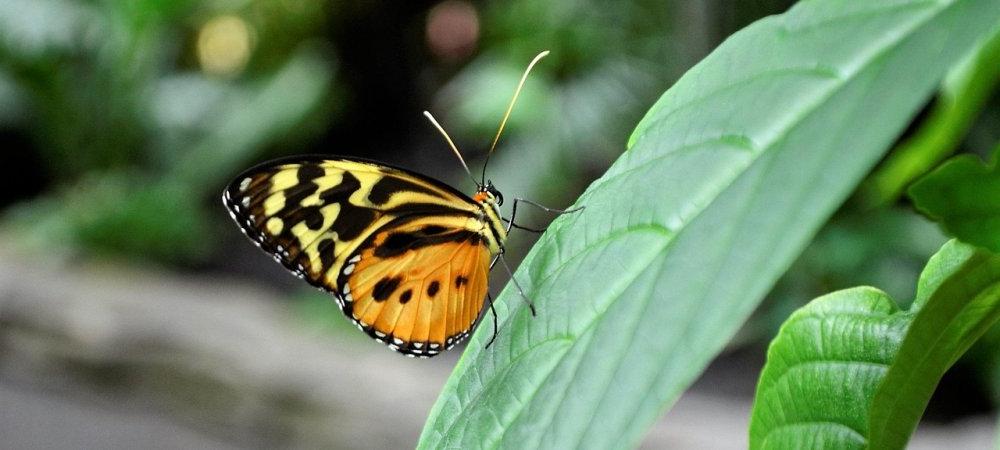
[495,326]
[516,284]
[511,224]
[513,213]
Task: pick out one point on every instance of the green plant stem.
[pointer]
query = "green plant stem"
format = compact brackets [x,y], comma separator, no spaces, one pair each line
[963,95]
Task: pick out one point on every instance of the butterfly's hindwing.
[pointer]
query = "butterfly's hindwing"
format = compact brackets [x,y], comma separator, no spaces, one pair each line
[418,287]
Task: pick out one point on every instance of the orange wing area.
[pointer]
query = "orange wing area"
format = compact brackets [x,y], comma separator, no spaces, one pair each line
[422,297]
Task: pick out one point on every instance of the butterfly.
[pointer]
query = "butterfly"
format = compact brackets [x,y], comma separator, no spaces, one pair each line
[406,257]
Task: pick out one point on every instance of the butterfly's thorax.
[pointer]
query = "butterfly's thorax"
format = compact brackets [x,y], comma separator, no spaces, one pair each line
[491,222]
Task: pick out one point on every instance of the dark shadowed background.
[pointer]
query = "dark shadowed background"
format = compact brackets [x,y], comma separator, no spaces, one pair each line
[133,314]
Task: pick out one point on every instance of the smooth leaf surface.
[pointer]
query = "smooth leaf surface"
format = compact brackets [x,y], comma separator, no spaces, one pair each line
[725,180]
[963,196]
[851,370]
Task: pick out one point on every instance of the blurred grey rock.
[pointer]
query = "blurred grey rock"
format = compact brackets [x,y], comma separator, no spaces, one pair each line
[216,356]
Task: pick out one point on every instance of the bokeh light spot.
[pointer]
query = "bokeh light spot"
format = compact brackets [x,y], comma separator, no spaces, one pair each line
[452,30]
[224,45]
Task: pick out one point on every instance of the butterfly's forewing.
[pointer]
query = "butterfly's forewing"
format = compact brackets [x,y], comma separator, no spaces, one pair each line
[357,229]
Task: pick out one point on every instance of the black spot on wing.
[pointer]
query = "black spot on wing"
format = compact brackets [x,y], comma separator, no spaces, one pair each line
[341,193]
[385,287]
[398,243]
[309,172]
[383,190]
[303,189]
[433,289]
[460,281]
[433,229]
[405,296]
[428,209]
[352,220]
[327,252]
[310,215]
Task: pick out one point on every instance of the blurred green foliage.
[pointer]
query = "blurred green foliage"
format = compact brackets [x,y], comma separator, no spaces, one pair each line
[134,136]
[963,195]
[886,248]
[962,98]
[318,313]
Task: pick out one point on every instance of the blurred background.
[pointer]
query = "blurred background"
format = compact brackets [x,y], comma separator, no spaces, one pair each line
[133,314]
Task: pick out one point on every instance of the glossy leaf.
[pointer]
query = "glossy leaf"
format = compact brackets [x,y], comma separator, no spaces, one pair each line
[963,196]
[823,369]
[726,179]
[851,370]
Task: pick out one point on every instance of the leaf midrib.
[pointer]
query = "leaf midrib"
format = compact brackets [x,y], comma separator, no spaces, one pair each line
[930,353]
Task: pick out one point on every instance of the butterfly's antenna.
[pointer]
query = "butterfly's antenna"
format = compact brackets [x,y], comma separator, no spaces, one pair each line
[510,108]
[452,145]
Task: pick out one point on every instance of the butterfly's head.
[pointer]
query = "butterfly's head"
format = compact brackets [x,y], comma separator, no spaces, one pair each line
[488,194]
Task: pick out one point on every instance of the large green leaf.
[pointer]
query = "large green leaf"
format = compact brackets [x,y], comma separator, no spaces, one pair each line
[725,181]
[963,195]
[851,370]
